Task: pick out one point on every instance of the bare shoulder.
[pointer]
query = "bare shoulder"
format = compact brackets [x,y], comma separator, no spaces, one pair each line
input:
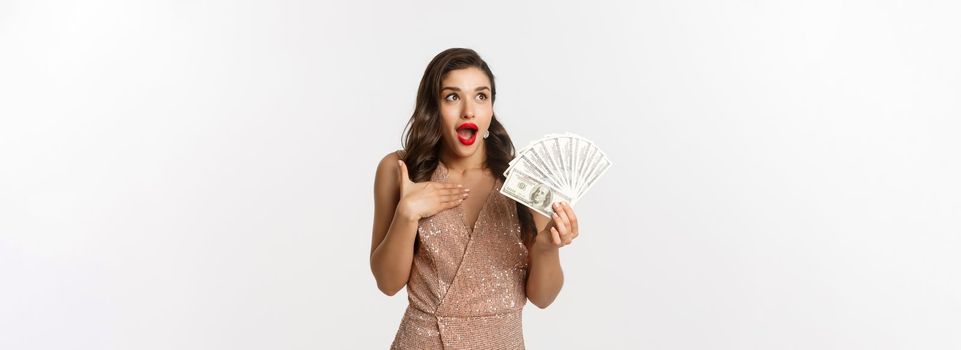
[389,163]
[390,160]
[386,181]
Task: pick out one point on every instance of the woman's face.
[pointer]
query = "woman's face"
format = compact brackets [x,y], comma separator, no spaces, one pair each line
[465,109]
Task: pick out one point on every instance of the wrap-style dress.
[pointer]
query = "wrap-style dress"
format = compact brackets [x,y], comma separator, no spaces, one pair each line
[467,284]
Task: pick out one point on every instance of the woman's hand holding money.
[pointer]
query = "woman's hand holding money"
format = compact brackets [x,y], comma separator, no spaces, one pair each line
[561,230]
[424,199]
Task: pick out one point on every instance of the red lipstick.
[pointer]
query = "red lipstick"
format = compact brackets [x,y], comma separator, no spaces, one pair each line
[467,133]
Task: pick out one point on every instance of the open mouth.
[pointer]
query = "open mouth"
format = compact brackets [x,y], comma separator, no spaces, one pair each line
[467,133]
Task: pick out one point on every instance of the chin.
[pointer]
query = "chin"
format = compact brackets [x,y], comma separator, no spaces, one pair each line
[465,151]
[461,150]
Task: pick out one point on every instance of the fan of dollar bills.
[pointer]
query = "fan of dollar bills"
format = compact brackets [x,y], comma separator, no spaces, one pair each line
[555,168]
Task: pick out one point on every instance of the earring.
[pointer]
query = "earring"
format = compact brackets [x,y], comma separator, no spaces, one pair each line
[487,133]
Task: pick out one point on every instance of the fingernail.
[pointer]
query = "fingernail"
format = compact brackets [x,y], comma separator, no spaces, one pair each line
[467,189]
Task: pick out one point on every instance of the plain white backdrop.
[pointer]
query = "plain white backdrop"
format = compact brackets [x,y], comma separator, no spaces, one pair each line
[199,174]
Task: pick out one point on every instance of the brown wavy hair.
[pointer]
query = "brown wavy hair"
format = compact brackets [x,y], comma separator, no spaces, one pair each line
[422,136]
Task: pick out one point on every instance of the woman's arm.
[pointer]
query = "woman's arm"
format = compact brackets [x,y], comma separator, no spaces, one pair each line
[546,277]
[398,206]
[392,245]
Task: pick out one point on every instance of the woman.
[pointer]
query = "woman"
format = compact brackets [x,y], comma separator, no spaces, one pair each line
[469,256]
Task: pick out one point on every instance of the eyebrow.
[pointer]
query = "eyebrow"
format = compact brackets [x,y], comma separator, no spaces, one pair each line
[479,88]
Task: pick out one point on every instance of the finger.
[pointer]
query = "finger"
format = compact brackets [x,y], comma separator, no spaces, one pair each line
[452,204]
[451,198]
[559,223]
[560,218]
[449,186]
[573,219]
[402,172]
[453,192]
[562,212]
[562,236]
[555,237]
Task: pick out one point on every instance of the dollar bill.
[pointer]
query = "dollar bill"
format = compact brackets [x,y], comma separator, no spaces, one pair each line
[529,162]
[558,167]
[532,193]
[599,168]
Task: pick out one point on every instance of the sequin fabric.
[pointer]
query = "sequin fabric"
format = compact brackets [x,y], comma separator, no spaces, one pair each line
[466,286]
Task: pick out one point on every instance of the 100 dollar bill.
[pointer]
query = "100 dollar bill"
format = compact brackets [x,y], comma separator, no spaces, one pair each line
[526,190]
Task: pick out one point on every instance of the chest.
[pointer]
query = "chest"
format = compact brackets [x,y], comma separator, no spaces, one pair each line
[481,186]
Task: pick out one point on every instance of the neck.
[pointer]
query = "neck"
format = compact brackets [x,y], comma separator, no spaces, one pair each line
[478,160]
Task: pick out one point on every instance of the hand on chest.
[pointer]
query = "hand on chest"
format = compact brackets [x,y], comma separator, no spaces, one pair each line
[481,184]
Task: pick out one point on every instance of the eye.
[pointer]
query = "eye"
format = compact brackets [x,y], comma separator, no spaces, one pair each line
[482,96]
[450,97]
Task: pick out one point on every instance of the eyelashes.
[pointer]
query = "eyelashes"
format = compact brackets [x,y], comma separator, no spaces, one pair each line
[454,97]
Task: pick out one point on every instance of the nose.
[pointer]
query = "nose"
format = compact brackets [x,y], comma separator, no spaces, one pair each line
[468,112]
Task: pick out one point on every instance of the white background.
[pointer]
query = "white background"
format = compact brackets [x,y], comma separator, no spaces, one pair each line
[199,174]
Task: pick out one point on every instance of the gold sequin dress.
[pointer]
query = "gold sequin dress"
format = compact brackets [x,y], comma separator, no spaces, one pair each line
[467,285]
